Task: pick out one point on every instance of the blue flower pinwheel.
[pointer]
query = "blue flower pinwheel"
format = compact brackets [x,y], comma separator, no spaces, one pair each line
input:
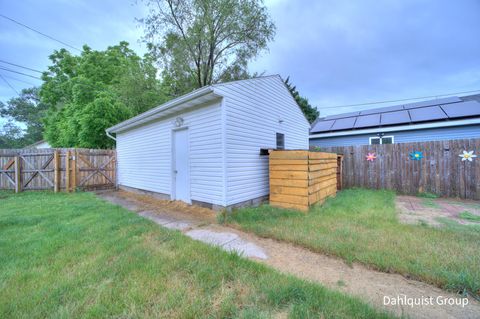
[416,156]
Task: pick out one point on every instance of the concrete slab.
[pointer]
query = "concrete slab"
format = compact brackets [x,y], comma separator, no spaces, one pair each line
[211,237]
[228,241]
[246,249]
[122,202]
[161,220]
[166,221]
[178,225]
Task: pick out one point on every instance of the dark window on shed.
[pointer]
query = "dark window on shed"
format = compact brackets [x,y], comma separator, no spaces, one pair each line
[280,141]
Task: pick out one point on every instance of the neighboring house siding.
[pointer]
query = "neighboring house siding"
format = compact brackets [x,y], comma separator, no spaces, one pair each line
[43,145]
[433,134]
[252,112]
[145,155]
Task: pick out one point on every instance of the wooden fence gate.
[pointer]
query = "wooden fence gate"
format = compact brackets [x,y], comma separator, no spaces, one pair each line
[57,169]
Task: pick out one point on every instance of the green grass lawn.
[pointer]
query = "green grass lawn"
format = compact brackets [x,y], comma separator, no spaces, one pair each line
[362,226]
[74,255]
[469,216]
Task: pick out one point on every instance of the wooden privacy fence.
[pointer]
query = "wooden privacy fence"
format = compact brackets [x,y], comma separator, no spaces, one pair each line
[57,169]
[440,171]
[299,179]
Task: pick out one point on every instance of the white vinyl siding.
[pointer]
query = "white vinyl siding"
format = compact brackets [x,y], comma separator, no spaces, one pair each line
[225,139]
[145,154]
[253,111]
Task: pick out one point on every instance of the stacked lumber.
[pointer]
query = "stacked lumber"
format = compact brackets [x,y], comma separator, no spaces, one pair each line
[322,179]
[299,179]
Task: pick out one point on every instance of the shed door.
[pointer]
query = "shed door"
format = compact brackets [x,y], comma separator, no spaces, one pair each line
[180,166]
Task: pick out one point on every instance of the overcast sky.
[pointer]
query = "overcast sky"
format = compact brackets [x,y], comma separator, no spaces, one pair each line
[335,52]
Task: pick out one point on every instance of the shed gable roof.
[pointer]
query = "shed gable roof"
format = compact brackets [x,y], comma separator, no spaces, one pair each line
[196,97]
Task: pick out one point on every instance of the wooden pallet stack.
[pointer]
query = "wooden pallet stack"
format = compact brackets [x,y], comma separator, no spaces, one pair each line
[299,179]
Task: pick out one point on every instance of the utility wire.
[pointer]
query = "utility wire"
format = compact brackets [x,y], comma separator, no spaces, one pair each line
[20,66]
[391,101]
[21,73]
[8,83]
[18,80]
[41,33]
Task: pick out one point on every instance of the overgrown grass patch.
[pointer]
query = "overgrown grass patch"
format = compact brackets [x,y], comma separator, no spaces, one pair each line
[73,255]
[362,226]
[469,216]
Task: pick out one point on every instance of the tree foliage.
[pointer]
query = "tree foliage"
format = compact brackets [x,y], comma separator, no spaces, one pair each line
[200,42]
[24,114]
[311,112]
[11,136]
[95,90]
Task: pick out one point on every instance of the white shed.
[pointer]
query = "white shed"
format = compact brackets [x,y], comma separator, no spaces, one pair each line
[39,144]
[204,147]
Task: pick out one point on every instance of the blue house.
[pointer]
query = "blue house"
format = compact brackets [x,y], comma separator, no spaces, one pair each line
[441,119]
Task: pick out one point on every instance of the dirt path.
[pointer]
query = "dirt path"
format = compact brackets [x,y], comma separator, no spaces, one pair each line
[369,285]
[414,210]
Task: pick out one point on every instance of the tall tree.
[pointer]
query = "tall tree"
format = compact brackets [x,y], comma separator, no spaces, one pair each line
[311,112]
[26,112]
[200,42]
[98,89]
[11,136]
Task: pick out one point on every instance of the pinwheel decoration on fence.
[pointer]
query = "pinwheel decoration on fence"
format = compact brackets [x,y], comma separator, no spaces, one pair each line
[371,157]
[467,156]
[416,155]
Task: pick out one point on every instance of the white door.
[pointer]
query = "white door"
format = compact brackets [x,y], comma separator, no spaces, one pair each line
[180,166]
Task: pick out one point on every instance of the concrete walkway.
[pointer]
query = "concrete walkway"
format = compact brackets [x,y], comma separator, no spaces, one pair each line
[194,229]
[370,285]
[226,240]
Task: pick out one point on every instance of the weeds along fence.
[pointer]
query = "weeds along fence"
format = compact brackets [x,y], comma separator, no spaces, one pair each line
[57,169]
[440,170]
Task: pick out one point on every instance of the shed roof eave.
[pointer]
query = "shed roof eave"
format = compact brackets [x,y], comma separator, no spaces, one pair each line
[159,110]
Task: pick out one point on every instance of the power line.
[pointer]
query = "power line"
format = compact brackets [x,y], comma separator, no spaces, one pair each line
[41,33]
[21,66]
[21,73]
[400,100]
[18,80]
[8,83]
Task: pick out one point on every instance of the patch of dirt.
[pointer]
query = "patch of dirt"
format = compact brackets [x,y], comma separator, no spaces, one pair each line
[177,209]
[357,280]
[416,210]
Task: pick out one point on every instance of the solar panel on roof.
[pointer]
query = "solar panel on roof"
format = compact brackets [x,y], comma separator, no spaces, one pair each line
[322,126]
[339,116]
[464,109]
[368,120]
[447,100]
[382,109]
[428,113]
[343,124]
[395,118]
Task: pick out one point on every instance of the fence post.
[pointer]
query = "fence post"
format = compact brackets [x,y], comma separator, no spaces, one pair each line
[74,170]
[18,175]
[115,163]
[56,171]
[67,171]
